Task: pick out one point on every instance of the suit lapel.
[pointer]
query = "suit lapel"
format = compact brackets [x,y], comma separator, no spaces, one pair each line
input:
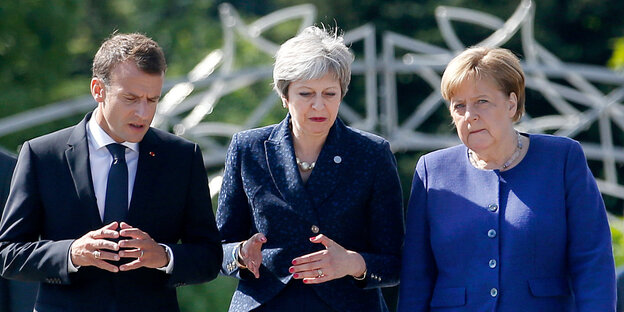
[77,155]
[147,173]
[280,156]
[326,174]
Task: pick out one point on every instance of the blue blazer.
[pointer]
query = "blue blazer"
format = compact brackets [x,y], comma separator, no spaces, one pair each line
[533,238]
[52,203]
[353,196]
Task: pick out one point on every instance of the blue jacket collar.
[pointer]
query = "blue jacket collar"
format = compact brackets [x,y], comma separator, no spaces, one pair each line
[280,155]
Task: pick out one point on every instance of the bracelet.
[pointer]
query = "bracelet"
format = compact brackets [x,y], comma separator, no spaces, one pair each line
[237,256]
[362,277]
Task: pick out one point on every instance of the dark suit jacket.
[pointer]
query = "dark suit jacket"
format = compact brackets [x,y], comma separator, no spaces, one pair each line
[620,291]
[15,296]
[353,196]
[52,203]
[7,164]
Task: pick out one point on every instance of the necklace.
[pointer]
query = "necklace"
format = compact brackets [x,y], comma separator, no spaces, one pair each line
[482,164]
[304,165]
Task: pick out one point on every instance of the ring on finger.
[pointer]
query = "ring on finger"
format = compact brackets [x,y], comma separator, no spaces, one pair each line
[96,254]
[320,273]
[141,255]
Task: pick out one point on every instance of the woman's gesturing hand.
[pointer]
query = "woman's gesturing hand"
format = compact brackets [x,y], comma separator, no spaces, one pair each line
[325,265]
[251,253]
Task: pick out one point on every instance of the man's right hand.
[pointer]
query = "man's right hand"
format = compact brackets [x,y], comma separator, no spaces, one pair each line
[90,249]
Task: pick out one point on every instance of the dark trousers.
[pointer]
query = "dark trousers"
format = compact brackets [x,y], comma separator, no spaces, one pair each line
[17,296]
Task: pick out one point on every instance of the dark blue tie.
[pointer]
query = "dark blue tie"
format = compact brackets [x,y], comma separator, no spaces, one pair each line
[116,202]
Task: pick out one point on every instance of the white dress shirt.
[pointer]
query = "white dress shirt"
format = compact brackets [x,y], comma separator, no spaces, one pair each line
[100,160]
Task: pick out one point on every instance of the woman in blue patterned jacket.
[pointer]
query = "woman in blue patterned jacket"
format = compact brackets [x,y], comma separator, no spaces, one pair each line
[507,221]
[310,210]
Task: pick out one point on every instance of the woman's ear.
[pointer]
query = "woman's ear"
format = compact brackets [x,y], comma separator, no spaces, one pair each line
[513,104]
[284,102]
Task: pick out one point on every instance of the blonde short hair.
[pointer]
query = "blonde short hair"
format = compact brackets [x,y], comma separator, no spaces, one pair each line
[312,54]
[498,65]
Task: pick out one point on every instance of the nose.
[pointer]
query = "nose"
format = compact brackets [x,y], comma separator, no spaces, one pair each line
[470,113]
[142,109]
[318,102]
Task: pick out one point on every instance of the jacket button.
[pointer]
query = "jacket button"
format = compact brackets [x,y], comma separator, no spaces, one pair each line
[493,292]
[492,233]
[493,207]
[492,263]
[315,229]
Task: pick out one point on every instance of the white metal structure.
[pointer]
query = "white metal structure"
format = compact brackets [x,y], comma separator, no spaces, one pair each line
[571,89]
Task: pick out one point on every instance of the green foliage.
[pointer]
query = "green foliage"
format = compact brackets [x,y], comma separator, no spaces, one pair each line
[33,38]
[46,47]
[617,59]
[213,296]
[617,237]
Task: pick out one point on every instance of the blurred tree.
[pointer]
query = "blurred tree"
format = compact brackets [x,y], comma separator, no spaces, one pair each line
[35,38]
[617,59]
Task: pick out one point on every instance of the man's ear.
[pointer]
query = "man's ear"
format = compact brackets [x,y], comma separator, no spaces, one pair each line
[98,90]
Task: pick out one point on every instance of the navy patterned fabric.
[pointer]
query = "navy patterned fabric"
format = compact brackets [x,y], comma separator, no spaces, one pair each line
[353,196]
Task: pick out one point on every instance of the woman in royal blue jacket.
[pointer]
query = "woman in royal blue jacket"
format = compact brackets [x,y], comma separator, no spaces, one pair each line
[507,221]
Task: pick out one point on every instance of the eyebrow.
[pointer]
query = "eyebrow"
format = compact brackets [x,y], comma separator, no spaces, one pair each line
[136,96]
[454,99]
[308,87]
[471,98]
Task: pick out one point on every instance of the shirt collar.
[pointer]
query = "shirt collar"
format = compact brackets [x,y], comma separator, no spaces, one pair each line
[101,138]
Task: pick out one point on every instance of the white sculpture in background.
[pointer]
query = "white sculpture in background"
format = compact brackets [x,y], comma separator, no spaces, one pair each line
[570,89]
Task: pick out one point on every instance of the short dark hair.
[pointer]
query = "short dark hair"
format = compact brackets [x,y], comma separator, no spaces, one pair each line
[145,52]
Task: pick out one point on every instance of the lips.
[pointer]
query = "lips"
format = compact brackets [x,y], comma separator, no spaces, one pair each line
[476,131]
[318,119]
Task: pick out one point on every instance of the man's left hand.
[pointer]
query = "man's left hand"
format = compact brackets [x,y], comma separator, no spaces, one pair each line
[146,250]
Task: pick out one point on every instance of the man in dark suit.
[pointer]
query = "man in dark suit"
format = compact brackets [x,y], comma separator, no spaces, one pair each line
[109,189]
[14,296]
